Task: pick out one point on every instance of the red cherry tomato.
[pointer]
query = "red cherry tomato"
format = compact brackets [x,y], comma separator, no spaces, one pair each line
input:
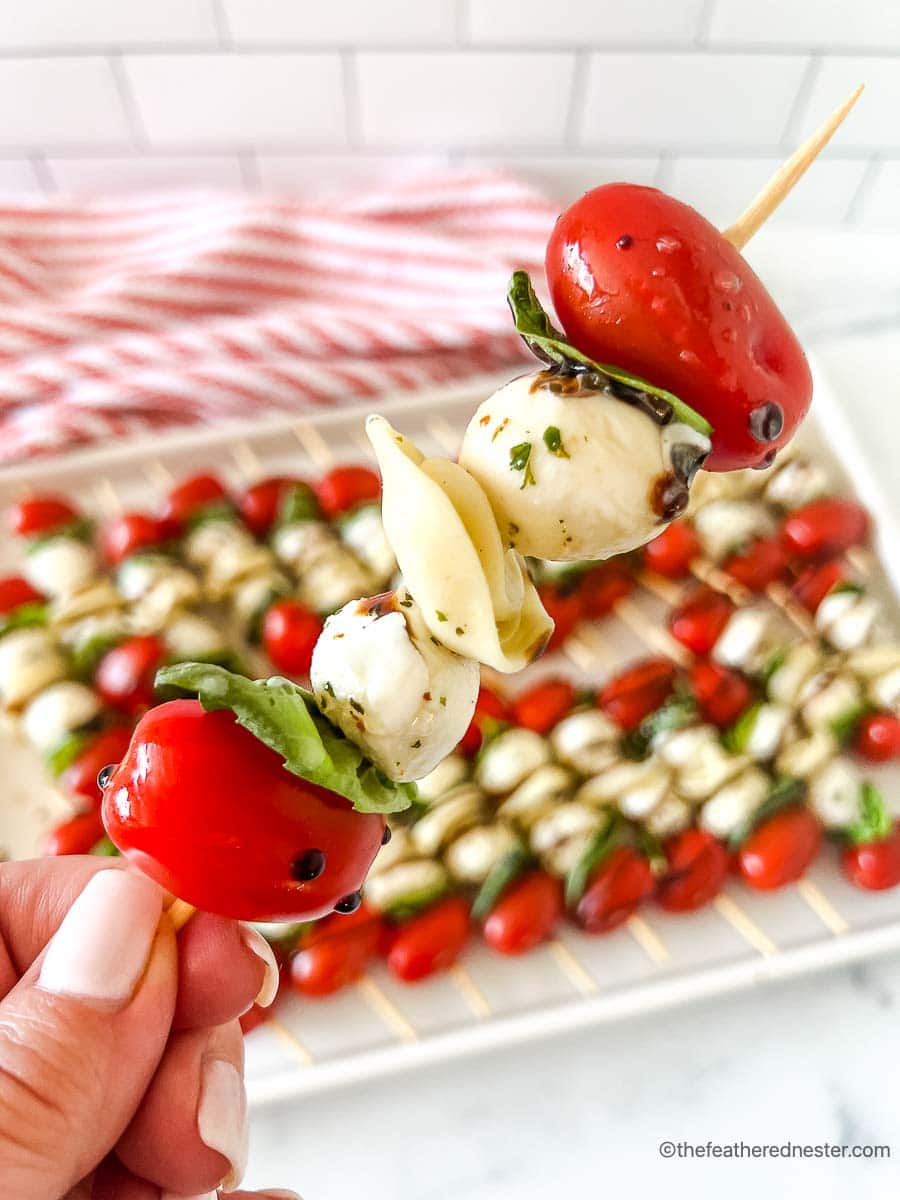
[40,515]
[290,630]
[544,705]
[637,692]
[672,551]
[14,592]
[132,532]
[261,504]
[602,586]
[697,868]
[878,737]
[640,280]
[344,488]
[488,707]
[253,1018]
[759,565]
[699,620]
[336,952]
[192,496]
[565,607]
[813,585]
[824,528]
[779,850]
[721,694]
[874,865]
[125,674]
[431,941]
[78,835]
[210,813]
[622,882]
[525,914]
[107,748]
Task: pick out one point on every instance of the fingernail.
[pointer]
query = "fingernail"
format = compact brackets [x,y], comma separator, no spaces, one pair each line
[222,1116]
[100,951]
[257,944]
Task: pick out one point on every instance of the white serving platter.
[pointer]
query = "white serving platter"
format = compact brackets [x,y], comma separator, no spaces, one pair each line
[380,1026]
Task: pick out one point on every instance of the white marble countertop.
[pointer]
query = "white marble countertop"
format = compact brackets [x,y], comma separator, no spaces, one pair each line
[810,1061]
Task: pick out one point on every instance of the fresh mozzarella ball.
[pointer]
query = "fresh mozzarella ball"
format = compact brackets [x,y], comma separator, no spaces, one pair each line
[827,699]
[610,785]
[639,800]
[669,817]
[586,740]
[724,525]
[112,624]
[189,637]
[801,662]
[446,775]
[378,675]
[770,723]
[509,758]
[363,531]
[445,820]
[835,794]
[562,823]
[29,662]
[475,853]
[885,689]
[233,564]
[144,573]
[397,850]
[572,471]
[796,483]
[879,666]
[334,581]
[302,543]
[208,540]
[544,788]
[101,596]
[845,618]
[735,803]
[407,885]
[708,770]
[61,565]
[677,747]
[805,756]
[744,639]
[57,711]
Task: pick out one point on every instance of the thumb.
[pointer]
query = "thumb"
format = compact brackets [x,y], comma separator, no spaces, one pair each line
[81,1035]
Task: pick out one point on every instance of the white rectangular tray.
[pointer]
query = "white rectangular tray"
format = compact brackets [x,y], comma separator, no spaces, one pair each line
[655,961]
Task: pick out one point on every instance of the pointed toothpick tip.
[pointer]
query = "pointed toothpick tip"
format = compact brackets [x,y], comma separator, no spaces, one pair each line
[788,174]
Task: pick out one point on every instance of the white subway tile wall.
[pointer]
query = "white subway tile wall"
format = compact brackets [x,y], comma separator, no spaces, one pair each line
[703,97]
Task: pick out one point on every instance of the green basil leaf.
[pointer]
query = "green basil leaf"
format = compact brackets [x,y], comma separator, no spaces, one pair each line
[284,717]
[501,875]
[553,347]
[785,791]
[65,752]
[607,838]
[23,617]
[105,848]
[845,726]
[875,822]
[299,504]
[86,654]
[677,712]
[736,736]
[81,529]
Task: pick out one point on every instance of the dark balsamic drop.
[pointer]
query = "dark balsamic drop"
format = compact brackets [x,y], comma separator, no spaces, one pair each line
[687,461]
[349,903]
[669,497]
[624,242]
[386,836]
[765,462]
[308,866]
[104,776]
[766,422]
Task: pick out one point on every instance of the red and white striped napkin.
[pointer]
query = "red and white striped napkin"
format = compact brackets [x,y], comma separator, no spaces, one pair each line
[128,315]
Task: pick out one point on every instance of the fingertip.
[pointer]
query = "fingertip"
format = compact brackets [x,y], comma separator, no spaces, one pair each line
[222,970]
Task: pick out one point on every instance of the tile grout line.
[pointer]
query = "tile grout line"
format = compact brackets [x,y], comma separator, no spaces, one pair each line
[128,101]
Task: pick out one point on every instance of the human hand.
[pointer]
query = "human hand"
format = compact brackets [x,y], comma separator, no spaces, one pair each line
[121,1058]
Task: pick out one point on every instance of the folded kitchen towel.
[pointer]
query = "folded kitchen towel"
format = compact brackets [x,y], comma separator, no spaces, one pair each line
[150,312]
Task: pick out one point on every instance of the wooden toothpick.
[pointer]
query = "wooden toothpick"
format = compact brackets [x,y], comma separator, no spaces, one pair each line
[781,183]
